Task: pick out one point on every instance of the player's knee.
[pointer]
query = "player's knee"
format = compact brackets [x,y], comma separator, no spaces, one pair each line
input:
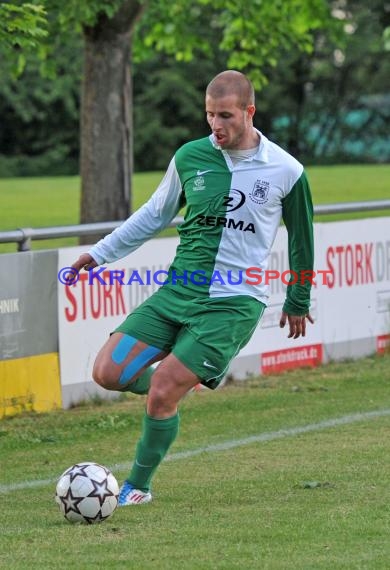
[161,399]
[158,405]
[104,375]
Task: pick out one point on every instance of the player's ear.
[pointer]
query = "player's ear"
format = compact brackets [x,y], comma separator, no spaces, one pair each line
[251,110]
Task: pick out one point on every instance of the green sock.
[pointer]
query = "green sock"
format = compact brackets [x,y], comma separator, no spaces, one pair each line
[156,438]
[142,384]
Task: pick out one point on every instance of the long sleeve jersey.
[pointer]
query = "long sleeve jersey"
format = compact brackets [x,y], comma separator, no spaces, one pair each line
[231,218]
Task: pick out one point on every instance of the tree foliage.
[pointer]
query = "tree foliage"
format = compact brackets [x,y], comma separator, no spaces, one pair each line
[321,70]
[22,28]
[252,35]
[40,115]
[337,107]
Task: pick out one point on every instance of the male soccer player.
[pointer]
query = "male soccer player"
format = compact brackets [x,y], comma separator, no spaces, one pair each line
[236,186]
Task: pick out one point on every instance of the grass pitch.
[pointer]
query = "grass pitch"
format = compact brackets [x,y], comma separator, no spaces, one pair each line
[299,501]
[44,202]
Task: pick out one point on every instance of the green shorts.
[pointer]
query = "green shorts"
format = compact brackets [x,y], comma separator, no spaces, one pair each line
[204,333]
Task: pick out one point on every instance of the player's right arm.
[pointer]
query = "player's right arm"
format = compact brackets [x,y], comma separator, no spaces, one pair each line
[142,225]
[85,261]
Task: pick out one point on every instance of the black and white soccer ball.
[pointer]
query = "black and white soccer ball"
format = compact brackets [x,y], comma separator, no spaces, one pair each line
[87,493]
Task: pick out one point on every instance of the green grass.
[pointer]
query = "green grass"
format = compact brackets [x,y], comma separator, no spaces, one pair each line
[41,202]
[249,507]
[350,183]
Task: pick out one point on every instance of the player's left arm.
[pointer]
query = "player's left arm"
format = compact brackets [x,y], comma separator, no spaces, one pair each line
[297,212]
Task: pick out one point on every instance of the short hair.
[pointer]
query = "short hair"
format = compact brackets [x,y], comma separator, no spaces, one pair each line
[231,82]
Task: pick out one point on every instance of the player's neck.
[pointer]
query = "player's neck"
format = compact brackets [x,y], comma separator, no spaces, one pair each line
[251,140]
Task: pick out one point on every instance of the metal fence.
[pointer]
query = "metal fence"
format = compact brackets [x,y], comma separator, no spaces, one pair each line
[24,236]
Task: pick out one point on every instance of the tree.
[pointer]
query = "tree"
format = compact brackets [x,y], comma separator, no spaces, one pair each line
[106,115]
[251,37]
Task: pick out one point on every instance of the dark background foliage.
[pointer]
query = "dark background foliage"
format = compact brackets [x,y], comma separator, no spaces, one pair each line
[330,106]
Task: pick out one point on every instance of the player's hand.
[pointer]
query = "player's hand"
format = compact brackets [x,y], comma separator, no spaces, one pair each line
[297,325]
[85,261]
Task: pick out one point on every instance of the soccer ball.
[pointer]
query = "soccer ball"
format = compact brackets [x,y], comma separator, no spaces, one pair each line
[87,493]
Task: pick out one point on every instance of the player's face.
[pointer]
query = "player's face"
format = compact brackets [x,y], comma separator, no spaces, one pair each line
[231,125]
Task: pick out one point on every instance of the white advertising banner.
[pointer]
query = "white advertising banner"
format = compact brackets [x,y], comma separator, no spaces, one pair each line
[350,300]
[355,302]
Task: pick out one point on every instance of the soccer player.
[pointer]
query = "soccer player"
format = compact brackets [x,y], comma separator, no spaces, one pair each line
[236,186]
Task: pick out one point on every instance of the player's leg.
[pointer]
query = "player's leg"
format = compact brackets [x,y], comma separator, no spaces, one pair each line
[216,331]
[123,364]
[170,382]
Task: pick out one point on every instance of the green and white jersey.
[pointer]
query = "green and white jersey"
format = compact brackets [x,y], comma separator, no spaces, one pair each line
[231,219]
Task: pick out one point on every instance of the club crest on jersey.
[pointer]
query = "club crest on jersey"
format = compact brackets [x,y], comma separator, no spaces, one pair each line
[260,191]
[199,184]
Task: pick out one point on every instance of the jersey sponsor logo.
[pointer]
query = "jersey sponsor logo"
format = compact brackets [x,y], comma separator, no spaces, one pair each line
[260,191]
[230,223]
[228,202]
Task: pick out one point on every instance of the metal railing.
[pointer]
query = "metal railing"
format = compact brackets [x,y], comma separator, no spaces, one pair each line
[24,236]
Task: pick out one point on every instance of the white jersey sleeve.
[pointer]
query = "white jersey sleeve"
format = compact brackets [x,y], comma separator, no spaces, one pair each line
[146,222]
